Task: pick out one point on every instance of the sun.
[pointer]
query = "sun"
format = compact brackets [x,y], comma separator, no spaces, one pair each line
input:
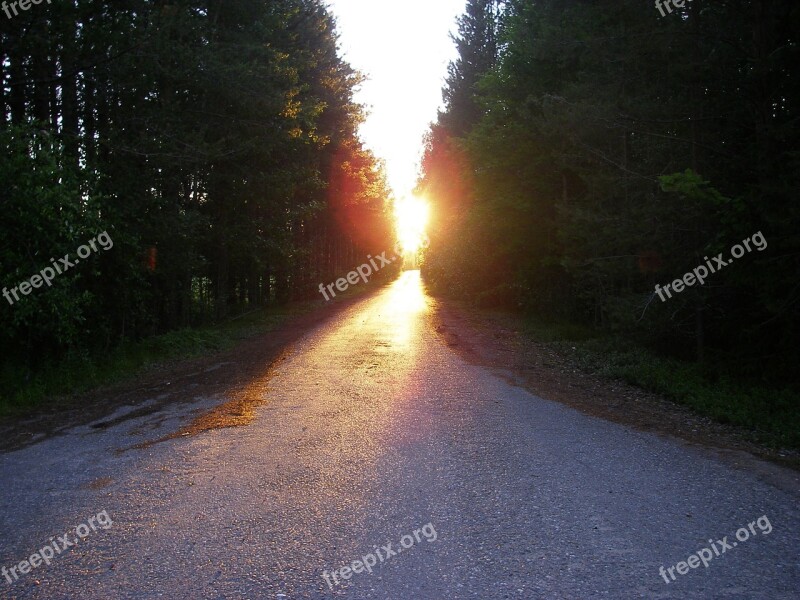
[411,219]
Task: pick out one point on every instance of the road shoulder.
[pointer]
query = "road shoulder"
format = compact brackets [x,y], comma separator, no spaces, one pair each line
[181,381]
[497,341]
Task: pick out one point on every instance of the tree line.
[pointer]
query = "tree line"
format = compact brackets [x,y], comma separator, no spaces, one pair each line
[214,141]
[589,151]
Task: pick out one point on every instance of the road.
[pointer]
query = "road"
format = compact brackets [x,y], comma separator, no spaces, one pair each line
[374,435]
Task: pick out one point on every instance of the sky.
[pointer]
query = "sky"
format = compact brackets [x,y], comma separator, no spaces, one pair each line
[403,47]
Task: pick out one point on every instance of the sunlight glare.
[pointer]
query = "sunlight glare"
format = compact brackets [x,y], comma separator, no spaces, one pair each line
[407,302]
[411,219]
[403,89]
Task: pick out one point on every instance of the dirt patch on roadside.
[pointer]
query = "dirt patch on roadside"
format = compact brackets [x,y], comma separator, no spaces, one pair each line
[496,341]
[239,411]
[239,373]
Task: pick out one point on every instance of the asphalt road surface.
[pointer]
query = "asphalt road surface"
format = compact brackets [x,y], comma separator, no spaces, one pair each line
[378,443]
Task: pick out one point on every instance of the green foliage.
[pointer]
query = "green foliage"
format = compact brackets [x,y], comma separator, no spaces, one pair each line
[217,144]
[48,211]
[773,414]
[80,372]
[612,151]
[770,412]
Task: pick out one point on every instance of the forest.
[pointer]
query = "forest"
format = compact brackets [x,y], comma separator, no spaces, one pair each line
[409,299]
[215,143]
[591,153]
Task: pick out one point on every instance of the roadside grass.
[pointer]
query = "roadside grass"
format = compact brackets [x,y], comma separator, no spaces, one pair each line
[772,415]
[22,392]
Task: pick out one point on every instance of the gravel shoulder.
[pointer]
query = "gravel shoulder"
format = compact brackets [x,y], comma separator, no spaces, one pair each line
[498,341]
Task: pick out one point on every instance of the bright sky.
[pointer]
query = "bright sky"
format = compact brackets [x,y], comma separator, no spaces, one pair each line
[403,47]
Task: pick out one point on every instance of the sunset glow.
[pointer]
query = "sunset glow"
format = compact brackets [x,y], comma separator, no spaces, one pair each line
[403,89]
[411,218]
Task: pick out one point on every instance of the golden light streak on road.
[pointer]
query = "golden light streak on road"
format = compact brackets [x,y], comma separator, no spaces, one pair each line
[406,300]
